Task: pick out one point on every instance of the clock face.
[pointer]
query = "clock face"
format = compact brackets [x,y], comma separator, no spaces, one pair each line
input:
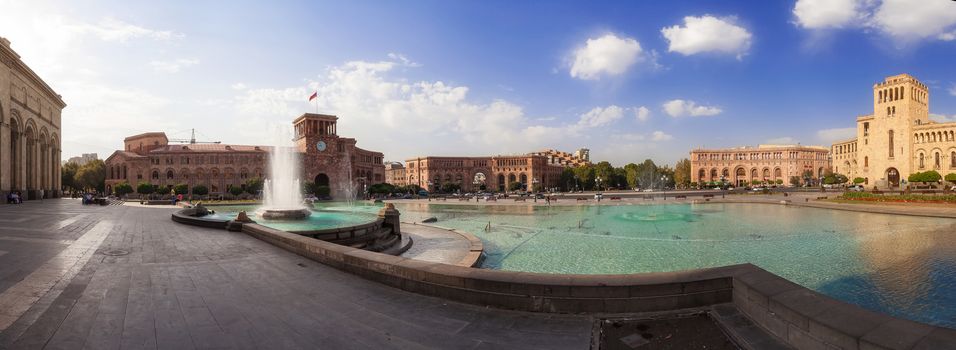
[320,146]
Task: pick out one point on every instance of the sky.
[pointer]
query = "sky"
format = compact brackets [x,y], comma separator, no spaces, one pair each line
[630,80]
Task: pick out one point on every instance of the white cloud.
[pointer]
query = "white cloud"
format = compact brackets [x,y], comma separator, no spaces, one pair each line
[660,136]
[947,36]
[912,20]
[601,116]
[708,34]
[836,134]
[173,66]
[681,108]
[942,118]
[786,140]
[821,14]
[111,29]
[642,113]
[404,60]
[608,55]
[238,86]
[952,90]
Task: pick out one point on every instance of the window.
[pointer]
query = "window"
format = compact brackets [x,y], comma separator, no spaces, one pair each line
[866,162]
[921,161]
[936,161]
[155,175]
[866,129]
[169,174]
[891,143]
[952,160]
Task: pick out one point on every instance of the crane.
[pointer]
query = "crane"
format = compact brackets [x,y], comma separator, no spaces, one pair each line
[192,139]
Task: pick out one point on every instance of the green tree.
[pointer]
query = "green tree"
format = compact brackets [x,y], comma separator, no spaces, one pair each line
[162,190]
[604,171]
[755,182]
[254,185]
[630,171]
[91,176]
[951,177]
[450,187]
[858,180]
[181,189]
[682,173]
[779,182]
[514,186]
[68,175]
[122,189]
[200,190]
[145,188]
[795,181]
[931,176]
[647,175]
[584,176]
[235,190]
[309,187]
[807,177]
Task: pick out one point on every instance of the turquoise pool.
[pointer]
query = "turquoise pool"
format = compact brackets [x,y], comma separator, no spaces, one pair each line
[904,266]
[327,216]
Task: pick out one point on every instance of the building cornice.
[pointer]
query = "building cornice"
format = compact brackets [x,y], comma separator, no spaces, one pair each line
[11,59]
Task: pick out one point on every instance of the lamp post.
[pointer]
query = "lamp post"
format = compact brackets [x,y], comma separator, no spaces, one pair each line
[723,192]
[429,183]
[597,183]
[534,188]
[664,185]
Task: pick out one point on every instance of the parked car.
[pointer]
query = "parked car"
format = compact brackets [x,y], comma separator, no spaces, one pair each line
[856,188]
[598,196]
[648,190]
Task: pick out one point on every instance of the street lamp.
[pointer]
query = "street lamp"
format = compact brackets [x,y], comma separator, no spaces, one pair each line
[597,182]
[664,185]
[534,188]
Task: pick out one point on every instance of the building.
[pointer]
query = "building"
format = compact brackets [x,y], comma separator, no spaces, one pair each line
[766,163]
[327,160]
[494,173]
[395,174]
[898,138]
[30,121]
[579,158]
[83,159]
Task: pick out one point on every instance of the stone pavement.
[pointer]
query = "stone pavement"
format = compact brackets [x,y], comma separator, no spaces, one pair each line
[74,276]
[435,245]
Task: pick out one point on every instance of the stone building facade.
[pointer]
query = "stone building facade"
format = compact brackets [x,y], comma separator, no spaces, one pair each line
[494,173]
[898,138]
[579,158]
[327,159]
[766,163]
[395,174]
[30,134]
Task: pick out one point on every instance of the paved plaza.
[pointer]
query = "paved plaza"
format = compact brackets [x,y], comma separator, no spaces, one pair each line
[110,277]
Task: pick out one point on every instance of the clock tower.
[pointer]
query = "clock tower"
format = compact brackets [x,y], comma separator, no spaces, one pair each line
[333,161]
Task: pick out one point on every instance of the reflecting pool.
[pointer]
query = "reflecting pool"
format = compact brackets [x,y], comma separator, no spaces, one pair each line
[326,216]
[900,265]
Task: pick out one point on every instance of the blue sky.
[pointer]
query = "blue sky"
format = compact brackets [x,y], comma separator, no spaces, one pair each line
[630,80]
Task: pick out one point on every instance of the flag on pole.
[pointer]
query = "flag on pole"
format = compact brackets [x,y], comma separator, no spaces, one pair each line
[313,96]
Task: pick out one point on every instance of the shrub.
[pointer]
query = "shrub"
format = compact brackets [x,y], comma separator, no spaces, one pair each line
[162,190]
[323,191]
[254,185]
[200,190]
[755,182]
[951,177]
[779,181]
[858,180]
[235,190]
[928,176]
[145,188]
[181,189]
[122,189]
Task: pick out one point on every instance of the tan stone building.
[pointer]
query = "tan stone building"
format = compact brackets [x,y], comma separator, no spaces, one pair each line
[579,158]
[327,159]
[395,174]
[898,138]
[766,163]
[30,133]
[494,173]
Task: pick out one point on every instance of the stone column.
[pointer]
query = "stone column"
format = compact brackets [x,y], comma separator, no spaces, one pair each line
[391,217]
[4,157]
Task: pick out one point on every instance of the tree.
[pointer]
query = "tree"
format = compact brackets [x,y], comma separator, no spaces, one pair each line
[382,188]
[647,176]
[858,180]
[567,179]
[162,190]
[235,190]
[122,189]
[951,177]
[682,173]
[68,175]
[931,176]
[584,177]
[807,177]
[181,189]
[200,190]
[450,187]
[91,176]
[630,172]
[755,182]
[145,188]
[254,185]
[309,187]
[694,184]
[795,181]
[779,182]
[323,191]
[605,172]
[514,186]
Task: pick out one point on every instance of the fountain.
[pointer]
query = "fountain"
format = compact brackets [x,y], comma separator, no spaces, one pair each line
[282,196]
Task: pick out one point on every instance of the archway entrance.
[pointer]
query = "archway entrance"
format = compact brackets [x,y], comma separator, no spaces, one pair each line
[893,177]
[740,177]
[322,180]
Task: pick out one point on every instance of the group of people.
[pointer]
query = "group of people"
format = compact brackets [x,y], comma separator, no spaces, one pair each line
[15,198]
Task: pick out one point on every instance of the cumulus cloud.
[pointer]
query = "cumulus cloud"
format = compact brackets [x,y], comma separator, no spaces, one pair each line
[238,86]
[821,14]
[952,90]
[642,113]
[836,134]
[681,108]
[601,116]
[403,60]
[660,136]
[608,55]
[942,118]
[111,29]
[173,66]
[708,34]
[903,20]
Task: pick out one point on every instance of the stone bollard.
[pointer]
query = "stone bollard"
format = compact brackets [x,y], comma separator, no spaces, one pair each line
[391,217]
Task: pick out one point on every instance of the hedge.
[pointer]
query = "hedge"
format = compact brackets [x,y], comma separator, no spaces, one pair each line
[865,196]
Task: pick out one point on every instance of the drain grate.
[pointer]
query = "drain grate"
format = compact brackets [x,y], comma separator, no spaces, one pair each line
[115,252]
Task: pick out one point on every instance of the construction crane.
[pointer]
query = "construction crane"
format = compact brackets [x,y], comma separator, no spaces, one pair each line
[192,139]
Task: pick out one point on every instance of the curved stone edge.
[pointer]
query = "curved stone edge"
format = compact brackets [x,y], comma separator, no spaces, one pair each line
[476,249]
[184,216]
[798,316]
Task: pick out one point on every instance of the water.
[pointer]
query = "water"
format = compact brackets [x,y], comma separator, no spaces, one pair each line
[900,265]
[282,190]
[327,216]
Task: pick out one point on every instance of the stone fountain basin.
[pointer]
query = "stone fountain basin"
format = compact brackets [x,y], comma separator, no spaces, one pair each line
[284,214]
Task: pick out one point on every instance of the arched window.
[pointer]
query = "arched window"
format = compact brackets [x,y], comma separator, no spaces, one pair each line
[155,175]
[921,161]
[890,143]
[169,174]
[866,162]
[936,160]
[952,159]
